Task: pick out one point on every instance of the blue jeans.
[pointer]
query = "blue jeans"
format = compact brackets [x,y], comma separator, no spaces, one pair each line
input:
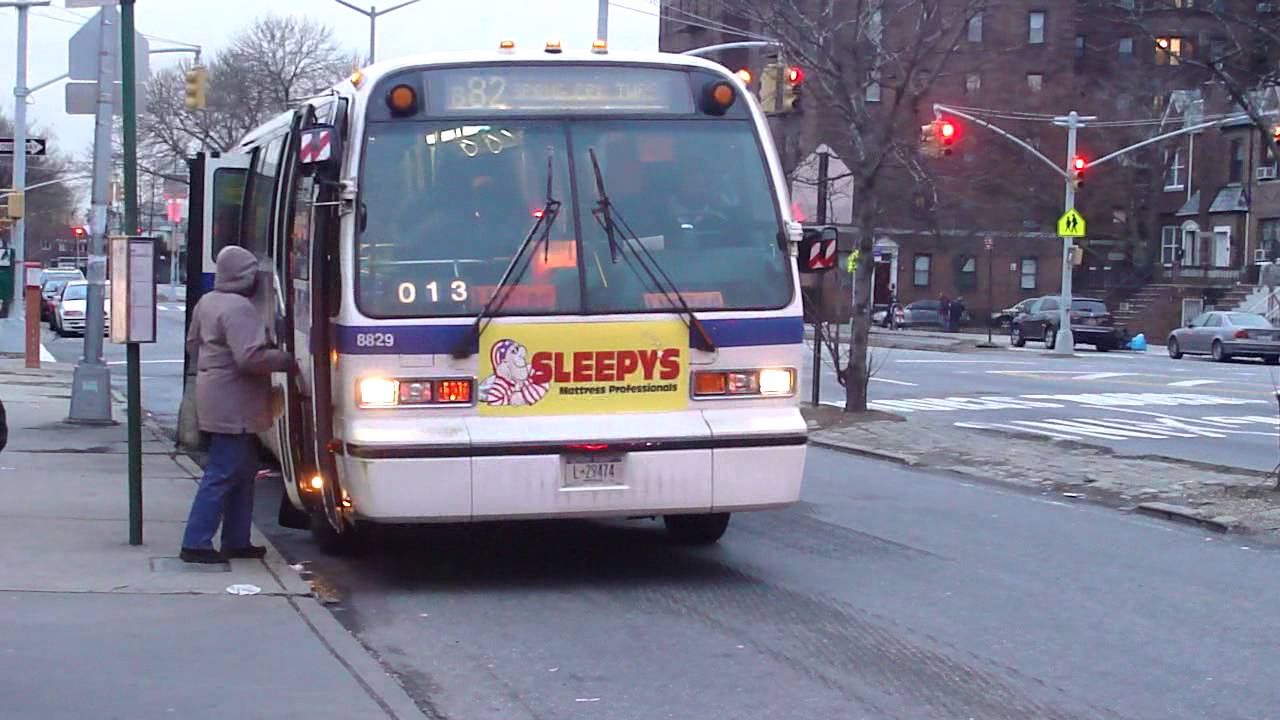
[225,495]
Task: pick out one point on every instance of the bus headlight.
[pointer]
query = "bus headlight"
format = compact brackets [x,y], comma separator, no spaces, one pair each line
[777,381]
[375,392]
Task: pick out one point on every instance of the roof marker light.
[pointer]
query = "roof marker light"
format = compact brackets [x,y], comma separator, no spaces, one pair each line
[599,46]
[507,45]
[553,47]
[357,77]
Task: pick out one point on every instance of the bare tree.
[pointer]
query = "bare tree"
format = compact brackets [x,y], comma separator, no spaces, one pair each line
[850,51]
[267,68]
[51,209]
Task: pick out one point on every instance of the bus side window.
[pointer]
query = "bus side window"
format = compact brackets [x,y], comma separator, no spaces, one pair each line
[256,228]
[228,198]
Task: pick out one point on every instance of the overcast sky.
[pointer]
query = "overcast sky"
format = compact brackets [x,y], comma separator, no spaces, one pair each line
[427,26]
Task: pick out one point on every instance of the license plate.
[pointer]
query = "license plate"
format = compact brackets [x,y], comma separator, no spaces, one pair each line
[592,470]
[1091,321]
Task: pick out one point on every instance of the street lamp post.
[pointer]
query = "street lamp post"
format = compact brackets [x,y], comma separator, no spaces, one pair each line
[20,93]
[373,13]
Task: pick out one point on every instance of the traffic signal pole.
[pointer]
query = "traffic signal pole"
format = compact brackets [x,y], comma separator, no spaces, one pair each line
[1065,343]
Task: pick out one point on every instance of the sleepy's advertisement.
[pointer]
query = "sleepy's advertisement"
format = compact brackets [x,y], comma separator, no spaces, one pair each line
[583,368]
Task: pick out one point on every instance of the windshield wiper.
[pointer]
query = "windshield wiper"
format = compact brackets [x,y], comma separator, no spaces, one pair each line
[615,226]
[546,218]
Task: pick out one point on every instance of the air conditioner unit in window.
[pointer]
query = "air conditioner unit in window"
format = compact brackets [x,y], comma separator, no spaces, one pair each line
[1265,172]
[1260,255]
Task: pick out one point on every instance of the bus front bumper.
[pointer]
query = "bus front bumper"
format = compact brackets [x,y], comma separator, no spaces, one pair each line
[730,463]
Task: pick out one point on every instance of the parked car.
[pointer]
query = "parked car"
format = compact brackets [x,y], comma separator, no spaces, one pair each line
[1002,318]
[1226,334]
[51,288]
[928,313]
[1091,324]
[69,310]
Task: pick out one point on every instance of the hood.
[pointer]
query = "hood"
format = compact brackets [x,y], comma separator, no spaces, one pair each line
[237,271]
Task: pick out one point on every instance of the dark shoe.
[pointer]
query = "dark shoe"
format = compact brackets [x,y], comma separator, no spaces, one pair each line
[251,552]
[206,556]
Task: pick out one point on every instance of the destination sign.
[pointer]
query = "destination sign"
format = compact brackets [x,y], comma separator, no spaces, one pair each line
[490,90]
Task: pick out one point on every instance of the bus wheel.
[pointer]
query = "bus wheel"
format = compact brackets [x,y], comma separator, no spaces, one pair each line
[330,541]
[696,529]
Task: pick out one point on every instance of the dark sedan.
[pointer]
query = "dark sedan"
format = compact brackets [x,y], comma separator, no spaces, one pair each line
[1091,324]
[928,313]
[1223,335]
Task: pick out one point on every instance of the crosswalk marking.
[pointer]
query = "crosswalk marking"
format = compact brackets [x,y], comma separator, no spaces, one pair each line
[1101,375]
[1193,383]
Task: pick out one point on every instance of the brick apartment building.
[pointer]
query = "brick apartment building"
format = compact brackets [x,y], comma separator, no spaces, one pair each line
[1045,59]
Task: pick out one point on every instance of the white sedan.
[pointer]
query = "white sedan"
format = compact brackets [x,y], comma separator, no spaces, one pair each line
[69,312]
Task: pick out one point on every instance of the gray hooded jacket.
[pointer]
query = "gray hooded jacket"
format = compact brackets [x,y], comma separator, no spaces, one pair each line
[234,361]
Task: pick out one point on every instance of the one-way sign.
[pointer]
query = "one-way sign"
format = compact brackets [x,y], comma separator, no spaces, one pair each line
[35,146]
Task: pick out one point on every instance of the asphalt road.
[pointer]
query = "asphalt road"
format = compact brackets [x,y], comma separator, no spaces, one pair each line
[887,593]
[1134,403]
[161,361]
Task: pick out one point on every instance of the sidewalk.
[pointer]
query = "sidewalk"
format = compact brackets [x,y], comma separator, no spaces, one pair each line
[92,627]
[934,340]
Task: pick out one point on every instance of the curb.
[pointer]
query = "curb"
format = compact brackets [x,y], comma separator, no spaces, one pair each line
[863,452]
[1182,514]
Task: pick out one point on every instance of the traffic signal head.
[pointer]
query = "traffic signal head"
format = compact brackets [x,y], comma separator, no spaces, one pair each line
[793,78]
[1078,164]
[947,133]
[78,231]
[1275,133]
[197,79]
[795,75]
[17,205]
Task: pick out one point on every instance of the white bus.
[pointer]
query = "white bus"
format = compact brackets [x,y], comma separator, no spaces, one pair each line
[538,285]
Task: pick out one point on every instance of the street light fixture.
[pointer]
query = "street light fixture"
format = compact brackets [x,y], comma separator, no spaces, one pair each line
[373,13]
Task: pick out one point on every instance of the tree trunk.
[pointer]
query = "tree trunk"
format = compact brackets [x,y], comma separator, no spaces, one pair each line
[858,373]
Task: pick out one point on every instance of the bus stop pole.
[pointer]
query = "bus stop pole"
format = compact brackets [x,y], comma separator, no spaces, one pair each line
[129,112]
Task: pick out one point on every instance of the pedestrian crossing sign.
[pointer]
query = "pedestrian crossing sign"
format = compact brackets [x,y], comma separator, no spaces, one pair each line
[1071,224]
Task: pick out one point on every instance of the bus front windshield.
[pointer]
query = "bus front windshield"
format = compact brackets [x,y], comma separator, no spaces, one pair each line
[446,207]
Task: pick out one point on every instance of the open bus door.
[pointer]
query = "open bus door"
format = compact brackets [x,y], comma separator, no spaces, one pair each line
[217,197]
[307,290]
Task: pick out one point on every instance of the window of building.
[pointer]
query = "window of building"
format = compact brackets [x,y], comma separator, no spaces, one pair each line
[1125,4]
[1035,82]
[921,264]
[1184,4]
[967,273]
[1126,47]
[1080,44]
[1235,170]
[1035,27]
[1169,244]
[975,28]
[873,91]
[1029,270]
[1177,164]
[972,82]
[1169,50]
[1269,237]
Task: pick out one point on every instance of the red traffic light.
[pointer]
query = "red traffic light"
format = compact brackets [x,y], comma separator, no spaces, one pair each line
[795,75]
[78,231]
[1275,133]
[1078,163]
[946,129]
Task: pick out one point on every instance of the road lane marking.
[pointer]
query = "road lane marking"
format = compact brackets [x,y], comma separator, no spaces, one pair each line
[894,382]
[147,362]
[1193,383]
[46,356]
[1101,375]
[1023,402]
[965,362]
[1161,427]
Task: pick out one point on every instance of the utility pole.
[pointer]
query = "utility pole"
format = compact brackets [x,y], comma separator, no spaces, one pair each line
[1065,342]
[20,92]
[373,13]
[91,383]
[602,20]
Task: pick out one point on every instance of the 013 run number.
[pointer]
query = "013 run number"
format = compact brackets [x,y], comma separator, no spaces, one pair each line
[408,292]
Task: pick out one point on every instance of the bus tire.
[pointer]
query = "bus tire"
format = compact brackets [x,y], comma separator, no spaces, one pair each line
[290,516]
[330,541]
[702,529]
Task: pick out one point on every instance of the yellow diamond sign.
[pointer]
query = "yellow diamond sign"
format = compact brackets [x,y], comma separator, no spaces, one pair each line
[1071,224]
